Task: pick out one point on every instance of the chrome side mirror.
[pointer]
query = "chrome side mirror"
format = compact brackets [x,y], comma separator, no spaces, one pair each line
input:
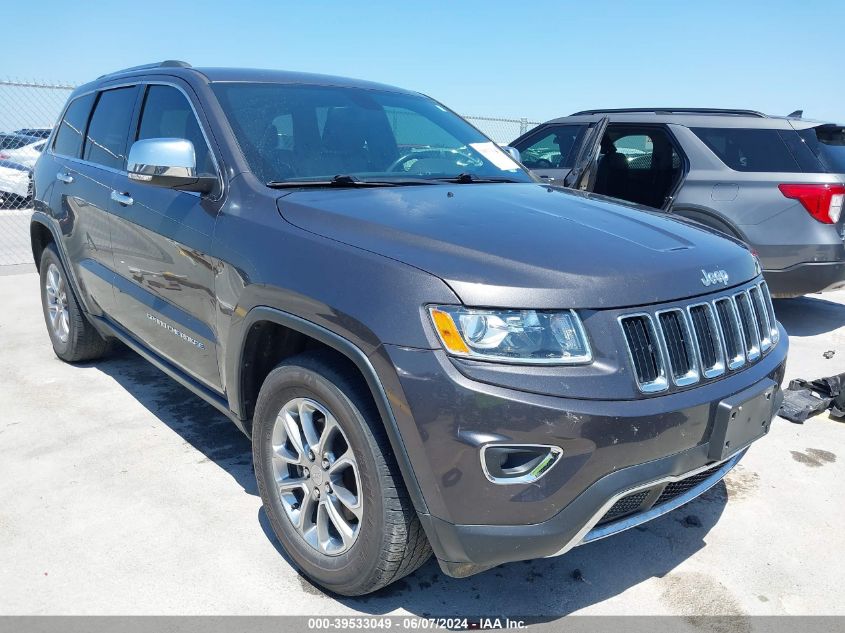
[512,152]
[167,162]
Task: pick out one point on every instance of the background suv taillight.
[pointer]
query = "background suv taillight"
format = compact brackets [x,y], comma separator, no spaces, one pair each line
[823,202]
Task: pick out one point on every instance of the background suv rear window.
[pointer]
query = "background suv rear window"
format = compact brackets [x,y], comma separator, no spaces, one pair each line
[827,142]
[758,149]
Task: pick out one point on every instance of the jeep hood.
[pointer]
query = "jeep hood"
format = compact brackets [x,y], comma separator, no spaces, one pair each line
[525,245]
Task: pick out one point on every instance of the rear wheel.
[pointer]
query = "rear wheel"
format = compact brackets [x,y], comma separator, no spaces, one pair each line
[330,486]
[73,337]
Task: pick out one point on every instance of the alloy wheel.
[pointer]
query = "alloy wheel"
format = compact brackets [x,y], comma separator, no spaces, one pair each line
[317,476]
[57,305]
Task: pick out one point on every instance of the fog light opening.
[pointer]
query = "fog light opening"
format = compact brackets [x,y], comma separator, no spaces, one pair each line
[518,463]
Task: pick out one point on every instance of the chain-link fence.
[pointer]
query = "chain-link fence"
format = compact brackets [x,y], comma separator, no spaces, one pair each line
[502,130]
[29,109]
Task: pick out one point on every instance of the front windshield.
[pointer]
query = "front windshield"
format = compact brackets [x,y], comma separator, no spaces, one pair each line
[291,132]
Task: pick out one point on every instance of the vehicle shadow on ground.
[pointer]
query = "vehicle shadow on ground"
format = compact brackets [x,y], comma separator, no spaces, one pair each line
[809,316]
[543,589]
[197,422]
[546,589]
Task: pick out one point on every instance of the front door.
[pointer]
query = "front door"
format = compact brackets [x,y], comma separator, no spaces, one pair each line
[161,239]
[549,152]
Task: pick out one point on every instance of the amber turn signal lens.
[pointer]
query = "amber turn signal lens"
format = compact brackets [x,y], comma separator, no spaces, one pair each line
[449,332]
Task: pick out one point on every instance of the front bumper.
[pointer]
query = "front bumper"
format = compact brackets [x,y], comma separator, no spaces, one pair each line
[611,449]
[806,278]
[643,493]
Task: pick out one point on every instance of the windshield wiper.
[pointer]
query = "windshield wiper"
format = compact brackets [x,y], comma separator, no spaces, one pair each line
[467,178]
[346,180]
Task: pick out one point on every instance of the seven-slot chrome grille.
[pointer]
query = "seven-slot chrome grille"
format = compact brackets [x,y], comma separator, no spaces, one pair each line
[683,345]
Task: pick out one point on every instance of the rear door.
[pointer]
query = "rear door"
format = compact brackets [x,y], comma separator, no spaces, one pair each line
[89,148]
[549,152]
[161,239]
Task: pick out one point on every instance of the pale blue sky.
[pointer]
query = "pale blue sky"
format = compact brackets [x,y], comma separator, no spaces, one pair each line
[495,58]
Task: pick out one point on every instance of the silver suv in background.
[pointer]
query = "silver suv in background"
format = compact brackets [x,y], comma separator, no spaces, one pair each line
[777,183]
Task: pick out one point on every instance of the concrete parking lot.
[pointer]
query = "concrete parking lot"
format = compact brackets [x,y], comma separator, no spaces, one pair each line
[122,493]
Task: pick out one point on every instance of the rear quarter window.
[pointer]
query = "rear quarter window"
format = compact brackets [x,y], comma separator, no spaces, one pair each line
[758,150]
[72,127]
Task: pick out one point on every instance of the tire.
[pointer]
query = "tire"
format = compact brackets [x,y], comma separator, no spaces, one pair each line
[388,541]
[74,339]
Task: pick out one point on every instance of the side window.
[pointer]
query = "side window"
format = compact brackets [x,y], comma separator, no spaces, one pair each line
[68,140]
[553,149]
[638,150]
[105,142]
[167,114]
[749,149]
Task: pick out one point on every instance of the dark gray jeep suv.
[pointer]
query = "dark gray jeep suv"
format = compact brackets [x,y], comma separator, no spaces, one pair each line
[777,183]
[429,349]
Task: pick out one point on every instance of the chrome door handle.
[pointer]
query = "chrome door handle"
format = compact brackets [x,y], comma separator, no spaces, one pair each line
[65,178]
[122,198]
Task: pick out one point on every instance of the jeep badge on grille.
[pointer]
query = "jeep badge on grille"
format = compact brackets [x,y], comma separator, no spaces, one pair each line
[714,277]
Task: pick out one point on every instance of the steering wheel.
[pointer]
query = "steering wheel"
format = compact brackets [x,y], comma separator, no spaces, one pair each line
[426,153]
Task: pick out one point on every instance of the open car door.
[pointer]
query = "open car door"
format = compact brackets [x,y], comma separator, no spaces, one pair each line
[583,173]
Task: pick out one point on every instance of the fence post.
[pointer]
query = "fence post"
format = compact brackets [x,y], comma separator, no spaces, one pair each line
[523,126]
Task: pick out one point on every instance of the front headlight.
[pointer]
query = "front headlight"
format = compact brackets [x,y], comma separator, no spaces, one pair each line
[515,336]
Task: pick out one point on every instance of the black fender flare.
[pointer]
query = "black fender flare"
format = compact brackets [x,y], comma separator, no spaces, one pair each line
[709,218]
[234,355]
[39,217]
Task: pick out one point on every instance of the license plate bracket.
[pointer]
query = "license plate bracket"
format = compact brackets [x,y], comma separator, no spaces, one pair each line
[743,418]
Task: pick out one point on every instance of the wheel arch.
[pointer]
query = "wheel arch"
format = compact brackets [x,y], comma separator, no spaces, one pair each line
[293,335]
[708,217]
[40,235]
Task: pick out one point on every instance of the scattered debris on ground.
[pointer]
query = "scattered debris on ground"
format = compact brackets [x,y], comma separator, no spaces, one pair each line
[805,398]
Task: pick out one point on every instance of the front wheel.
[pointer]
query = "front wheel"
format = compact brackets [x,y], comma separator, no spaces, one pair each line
[330,486]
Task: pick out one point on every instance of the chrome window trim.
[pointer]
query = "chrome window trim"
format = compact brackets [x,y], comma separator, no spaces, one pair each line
[588,534]
[739,360]
[752,348]
[718,346]
[142,83]
[661,383]
[692,376]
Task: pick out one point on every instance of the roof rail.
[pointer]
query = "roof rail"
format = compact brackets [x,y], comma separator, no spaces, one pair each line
[714,111]
[167,63]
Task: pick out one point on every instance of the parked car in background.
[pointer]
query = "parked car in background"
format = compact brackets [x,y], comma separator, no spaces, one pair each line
[431,351]
[18,154]
[777,183]
[40,132]
[26,153]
